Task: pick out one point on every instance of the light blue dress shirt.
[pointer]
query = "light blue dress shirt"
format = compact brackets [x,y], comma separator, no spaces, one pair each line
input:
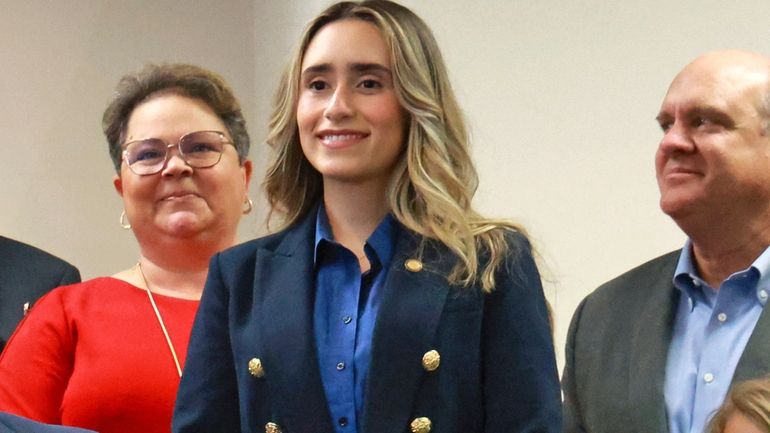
[346,306]
[710,332]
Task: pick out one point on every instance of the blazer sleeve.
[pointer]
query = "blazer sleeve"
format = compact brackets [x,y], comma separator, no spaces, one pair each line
[70,275]
[573,421]
[37,362]
[207,401]
[521,386]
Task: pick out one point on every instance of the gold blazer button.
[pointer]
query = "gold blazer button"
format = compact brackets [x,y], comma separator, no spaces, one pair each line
[431,360]
[413,265]
[272,427]
[420,425]
[255,368]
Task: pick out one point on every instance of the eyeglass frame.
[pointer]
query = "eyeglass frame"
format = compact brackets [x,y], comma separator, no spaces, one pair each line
[178,145]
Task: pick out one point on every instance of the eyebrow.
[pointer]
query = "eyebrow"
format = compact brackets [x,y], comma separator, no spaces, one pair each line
[713,113]
[356,67]
[700,111]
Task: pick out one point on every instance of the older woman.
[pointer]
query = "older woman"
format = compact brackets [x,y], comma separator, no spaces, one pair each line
[386,303]
[107,354]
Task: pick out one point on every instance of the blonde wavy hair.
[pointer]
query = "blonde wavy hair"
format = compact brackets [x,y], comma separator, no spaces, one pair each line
[435,180]
[750,399]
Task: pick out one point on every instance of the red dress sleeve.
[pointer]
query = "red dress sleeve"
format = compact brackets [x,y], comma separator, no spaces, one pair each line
[37,362]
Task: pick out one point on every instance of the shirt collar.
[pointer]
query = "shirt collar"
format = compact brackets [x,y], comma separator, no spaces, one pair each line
[323,230]
[378,248]
[687,279]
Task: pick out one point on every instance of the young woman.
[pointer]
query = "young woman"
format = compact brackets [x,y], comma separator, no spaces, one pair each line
[385,303]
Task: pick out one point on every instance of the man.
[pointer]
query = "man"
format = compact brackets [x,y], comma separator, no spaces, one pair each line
[656,349]
[26,273]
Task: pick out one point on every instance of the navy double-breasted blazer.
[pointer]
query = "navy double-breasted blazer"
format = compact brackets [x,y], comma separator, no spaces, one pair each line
[496,374]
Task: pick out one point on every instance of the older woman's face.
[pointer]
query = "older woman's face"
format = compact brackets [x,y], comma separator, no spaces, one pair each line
[204,204]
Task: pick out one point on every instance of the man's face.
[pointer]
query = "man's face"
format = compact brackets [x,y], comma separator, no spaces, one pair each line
[715,152]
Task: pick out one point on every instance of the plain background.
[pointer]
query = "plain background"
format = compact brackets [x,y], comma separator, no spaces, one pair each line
[560,96]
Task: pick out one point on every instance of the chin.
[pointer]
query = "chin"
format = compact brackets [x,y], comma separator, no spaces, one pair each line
[184,226]
[354,175]
[677,208]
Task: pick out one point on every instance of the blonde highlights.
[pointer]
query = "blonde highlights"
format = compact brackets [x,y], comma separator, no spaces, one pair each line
[750,399]
[433,184]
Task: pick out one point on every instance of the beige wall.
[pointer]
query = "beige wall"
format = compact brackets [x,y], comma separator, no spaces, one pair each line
[561,98]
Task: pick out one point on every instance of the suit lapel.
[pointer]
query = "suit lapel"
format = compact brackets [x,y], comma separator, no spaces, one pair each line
[650,342]
[755,361]
[405,329]
[285,280]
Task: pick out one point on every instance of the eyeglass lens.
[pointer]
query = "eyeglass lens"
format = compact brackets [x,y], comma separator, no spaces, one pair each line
[198,149]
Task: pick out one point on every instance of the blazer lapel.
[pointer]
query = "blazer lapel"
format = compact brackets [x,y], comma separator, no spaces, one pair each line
[650,342]
[755,361]
[405,328]
[284,279]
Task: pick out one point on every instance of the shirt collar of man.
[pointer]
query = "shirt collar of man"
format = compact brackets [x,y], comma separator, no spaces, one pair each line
[756,277]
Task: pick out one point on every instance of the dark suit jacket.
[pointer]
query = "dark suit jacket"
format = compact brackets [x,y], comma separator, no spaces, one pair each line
[496,374]
[27,273]
[16,424]
[617,348]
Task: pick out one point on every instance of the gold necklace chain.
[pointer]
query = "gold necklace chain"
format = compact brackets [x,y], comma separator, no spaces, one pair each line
[160,319]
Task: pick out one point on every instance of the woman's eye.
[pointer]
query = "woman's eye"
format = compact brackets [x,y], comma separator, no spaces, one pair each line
[148,155]
[201,147]
[370,84]
[317,85]
[146,152]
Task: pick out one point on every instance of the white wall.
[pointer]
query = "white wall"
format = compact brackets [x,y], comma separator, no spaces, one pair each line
[561,98]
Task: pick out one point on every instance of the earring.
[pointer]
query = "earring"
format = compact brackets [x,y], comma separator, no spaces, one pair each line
[123,222]
[249,206]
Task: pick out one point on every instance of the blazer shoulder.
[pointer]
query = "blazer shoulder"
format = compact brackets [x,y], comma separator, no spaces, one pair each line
[33,263]
[15,250]
[656,273]
[248,250]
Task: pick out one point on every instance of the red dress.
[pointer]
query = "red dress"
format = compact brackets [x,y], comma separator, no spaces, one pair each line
[93,355]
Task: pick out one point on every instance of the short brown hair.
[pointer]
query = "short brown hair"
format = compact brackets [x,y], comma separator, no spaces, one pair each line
[173,78]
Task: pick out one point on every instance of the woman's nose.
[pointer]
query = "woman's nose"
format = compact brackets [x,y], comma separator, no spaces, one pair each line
[340,105]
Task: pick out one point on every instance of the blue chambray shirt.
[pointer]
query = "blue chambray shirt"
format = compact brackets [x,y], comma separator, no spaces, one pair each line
[346,306]
[710,332]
